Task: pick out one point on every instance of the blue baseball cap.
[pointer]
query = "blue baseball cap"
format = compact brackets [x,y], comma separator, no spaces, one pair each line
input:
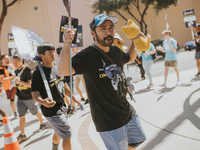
[99,19]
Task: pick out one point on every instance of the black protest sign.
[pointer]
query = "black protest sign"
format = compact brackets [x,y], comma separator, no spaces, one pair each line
[189,18]
[79,40]
[64,25]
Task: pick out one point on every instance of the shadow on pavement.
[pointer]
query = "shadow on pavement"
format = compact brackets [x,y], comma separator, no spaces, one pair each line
[143,91]
[17,128]
[185,84]
[84,114]
[189,114]
[165,90]
[38,139]
[195,79]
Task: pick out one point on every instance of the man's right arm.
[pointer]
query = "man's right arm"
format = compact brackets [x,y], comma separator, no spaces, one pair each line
[63,62]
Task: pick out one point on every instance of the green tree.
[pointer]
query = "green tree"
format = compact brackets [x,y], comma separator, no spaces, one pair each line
[125,5]
[5,6]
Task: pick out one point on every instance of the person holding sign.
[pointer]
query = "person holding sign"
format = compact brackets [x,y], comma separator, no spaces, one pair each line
[170,47]
[25,101]
[54,109]
[114,117]
[196,42]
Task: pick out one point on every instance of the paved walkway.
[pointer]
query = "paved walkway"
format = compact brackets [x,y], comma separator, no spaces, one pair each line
[170,117]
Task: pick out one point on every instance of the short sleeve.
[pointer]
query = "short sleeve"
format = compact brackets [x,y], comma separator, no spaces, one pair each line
[79,63]
[29,74]
[163,44]
[36,81]
[152,47]
[174,43]
[125,57]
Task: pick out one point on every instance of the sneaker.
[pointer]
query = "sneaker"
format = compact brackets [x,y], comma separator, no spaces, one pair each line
[83,99]
[42,127]
[68,109]
[178,82]
[15,116]
[150,86]
[198,74]
[163,85]
[143,78]
[72,111]
[21,137]
[87,101]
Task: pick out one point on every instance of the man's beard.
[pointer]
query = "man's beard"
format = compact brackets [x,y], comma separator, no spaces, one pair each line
[103,42]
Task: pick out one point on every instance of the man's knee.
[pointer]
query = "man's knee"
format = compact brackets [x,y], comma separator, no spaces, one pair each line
[67,140]
[135,145]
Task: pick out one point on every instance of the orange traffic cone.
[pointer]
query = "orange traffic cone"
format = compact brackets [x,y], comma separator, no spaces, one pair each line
[10,141]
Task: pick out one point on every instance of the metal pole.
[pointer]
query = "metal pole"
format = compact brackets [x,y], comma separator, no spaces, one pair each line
[67,4]
[192,33]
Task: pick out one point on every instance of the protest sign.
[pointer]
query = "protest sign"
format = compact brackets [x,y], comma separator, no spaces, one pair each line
[79,40]
[189,18]
[64,25]
[26,41]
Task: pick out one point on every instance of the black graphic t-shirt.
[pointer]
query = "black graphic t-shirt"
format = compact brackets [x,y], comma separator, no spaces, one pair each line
[56,84]
[23,92]
[197,41]
[109,110]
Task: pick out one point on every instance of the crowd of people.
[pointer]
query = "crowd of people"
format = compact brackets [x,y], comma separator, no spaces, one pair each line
[100,68]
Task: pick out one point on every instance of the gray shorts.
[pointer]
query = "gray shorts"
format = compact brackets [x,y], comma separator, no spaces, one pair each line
[197,55]
[130,134]
[24,105]
[60,125]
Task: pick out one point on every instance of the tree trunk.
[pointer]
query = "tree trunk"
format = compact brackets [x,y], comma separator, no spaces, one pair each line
[3,15]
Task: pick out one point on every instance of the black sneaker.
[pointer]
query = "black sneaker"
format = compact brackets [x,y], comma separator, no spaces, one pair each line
[42,127]
[198,74]
[15,115]
[87,101]
[68,109]
[83,99]
[21,137]
[72,111]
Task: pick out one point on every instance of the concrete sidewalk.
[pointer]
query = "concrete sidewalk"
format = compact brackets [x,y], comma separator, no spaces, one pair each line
[170,117]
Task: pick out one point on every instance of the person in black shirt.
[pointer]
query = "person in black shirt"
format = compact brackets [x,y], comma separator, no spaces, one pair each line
[25,101]
[197,43]
[53,109]
[114,117]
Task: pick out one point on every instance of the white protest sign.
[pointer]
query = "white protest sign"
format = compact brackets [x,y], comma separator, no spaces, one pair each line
[189,18]
[26,41]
